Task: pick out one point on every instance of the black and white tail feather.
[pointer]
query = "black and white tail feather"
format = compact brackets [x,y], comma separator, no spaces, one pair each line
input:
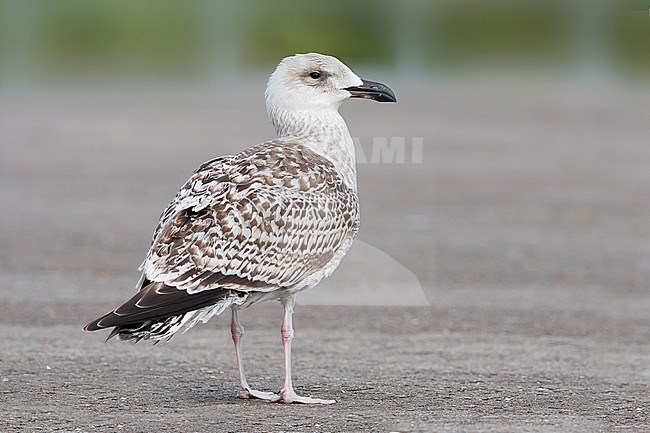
[158,311]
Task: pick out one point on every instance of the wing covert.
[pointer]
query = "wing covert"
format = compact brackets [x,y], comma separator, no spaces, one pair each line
[267,217]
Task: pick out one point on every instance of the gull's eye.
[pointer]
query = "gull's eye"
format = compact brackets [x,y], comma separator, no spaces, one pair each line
[315,75]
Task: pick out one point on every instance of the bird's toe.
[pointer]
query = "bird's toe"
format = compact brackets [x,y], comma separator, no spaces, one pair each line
[248,393]
[292,397]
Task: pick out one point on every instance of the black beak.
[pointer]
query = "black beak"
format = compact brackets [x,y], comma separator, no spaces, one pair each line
[373,90]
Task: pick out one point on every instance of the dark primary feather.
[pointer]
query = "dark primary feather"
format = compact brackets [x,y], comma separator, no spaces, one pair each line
[156,301]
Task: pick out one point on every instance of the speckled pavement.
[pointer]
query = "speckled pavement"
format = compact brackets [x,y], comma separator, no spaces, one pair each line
[526,227]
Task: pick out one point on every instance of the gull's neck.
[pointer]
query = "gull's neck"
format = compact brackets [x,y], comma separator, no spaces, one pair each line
[323,131]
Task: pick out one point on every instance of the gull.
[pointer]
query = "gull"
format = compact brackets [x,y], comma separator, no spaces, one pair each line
[263,224]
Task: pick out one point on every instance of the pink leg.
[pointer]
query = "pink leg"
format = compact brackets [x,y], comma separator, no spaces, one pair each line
[244,391]
[287,394]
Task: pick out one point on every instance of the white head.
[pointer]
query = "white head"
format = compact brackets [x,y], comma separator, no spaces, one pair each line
[303,96]
[313,81]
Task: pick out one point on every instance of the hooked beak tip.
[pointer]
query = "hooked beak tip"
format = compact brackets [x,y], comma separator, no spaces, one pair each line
[372,90]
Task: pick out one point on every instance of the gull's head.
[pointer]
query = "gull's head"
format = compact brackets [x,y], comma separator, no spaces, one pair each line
[318,82]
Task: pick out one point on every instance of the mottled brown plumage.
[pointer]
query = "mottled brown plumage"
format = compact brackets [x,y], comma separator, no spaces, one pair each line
[259,225]
[275,216]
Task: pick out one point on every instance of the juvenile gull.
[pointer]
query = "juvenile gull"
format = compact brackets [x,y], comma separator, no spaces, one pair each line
[260,225]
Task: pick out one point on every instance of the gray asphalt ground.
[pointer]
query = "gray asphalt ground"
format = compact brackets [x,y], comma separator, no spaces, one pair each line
[527,225]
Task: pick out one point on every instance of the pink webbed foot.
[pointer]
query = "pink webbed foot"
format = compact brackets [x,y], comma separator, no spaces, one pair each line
[248,393]
[291,397]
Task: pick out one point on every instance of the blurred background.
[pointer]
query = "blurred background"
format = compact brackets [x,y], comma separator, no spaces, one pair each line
[508,188]
[203,41]
[533,115]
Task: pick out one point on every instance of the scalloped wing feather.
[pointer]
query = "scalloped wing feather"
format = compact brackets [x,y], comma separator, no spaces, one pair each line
[271,215]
